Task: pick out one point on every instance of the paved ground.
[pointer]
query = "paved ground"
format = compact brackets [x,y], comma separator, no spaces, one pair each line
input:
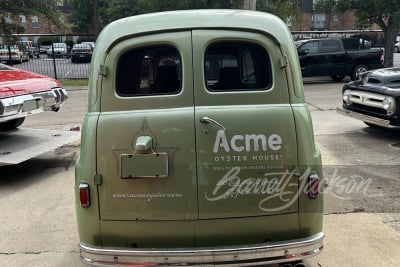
[37,222]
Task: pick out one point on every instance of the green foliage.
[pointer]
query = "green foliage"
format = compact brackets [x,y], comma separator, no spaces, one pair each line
[386,14]
[111,10]
[325,6]
[85,39]
[81,15]
[31,7]
[285,9]
[47,39]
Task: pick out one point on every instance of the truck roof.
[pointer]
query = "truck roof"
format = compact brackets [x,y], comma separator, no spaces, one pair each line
[194,19]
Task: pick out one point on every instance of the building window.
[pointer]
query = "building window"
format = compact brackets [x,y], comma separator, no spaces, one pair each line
[335,20]
[319,21]
[8,19]
[35,21]
[22,21]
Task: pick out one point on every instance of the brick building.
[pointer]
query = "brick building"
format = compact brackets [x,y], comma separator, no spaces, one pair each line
[33,25]
[310,21]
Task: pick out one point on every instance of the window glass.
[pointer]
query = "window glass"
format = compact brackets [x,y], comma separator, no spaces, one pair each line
[311,47]
[22,21]
[329,46]
[35,22]
[232,66]
[153,70]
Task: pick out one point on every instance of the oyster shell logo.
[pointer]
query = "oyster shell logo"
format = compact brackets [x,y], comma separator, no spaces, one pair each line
[248,142]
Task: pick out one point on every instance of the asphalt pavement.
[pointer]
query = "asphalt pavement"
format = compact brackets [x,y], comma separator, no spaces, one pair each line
[362,225]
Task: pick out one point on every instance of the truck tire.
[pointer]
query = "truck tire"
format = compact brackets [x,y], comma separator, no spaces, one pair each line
[11,125]
[337,78]
[357,70]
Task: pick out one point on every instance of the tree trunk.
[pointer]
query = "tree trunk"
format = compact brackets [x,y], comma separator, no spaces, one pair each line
[95,17]
[250,4]
[390,32]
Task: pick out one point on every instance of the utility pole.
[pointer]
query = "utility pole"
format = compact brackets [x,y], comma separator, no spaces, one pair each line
[250,4]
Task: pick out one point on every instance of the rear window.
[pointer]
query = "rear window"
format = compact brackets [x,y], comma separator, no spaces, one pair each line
[154,70]
[237,66]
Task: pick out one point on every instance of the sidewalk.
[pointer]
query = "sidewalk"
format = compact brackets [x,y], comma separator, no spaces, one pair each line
[358,239]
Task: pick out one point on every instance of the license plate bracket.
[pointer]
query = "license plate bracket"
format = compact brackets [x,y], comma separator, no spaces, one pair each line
[153,165]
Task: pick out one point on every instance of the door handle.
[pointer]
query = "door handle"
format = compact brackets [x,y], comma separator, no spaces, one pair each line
[209,120]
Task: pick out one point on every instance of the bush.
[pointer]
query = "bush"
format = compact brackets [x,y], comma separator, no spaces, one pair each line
[47,40]
[85,39]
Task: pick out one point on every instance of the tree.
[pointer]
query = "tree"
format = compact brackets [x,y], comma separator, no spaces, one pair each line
[86,14]
[81,16]
[287,10]
[111,10]
[386,14]
[14,8]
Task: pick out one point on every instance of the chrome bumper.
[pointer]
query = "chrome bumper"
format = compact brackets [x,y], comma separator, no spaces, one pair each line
[366,118]
[23,105]
[247,255]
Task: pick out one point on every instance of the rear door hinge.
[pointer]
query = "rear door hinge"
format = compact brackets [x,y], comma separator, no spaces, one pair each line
[284,62]
[98,179]
[103,70]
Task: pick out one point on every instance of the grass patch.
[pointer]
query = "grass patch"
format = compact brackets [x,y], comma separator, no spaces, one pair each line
[74,82]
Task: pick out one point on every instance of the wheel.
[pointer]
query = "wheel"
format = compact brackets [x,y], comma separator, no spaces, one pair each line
[337,78]
[10,125]
[358,69]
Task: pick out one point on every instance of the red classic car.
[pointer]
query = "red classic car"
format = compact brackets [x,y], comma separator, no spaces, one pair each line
[24,93]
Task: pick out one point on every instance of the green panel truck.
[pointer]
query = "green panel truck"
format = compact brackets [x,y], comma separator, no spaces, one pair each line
[197,148]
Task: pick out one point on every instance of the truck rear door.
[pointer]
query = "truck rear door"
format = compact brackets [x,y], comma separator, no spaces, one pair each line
[146,140]
[245,134]
[199,126]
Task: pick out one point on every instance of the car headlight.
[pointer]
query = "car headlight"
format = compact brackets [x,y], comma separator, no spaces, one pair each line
[346,97]
[364,77]
[388,105]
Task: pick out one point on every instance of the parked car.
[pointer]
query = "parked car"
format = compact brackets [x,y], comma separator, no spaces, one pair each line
[81,53]
[337,58]
[93,44]
[374,99]
[24,93]
[13,54]
[44,46]
[58,50]
[33,51]
[397,47]
[197,148]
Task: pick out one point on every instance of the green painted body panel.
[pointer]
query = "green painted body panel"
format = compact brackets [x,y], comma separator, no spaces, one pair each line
[202,233]
[224,168]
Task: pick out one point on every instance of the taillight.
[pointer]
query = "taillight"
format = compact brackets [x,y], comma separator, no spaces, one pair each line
[313,186]
[84,195]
